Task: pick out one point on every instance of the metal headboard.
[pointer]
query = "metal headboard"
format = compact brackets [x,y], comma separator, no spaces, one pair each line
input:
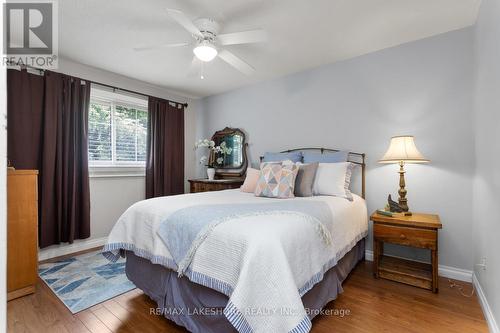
[355,158]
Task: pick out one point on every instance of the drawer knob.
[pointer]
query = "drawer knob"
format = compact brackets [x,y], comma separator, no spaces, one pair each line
[402,236]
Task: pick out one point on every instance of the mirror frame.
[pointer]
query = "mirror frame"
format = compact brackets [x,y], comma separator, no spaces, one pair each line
[232,172]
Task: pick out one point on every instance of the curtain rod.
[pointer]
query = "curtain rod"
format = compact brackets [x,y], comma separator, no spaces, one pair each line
[131,91]
[101,84]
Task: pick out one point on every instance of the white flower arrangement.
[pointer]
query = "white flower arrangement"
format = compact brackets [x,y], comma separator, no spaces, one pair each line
[217,154]
[205,143]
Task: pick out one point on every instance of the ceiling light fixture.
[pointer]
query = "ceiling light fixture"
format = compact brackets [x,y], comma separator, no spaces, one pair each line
[205,51]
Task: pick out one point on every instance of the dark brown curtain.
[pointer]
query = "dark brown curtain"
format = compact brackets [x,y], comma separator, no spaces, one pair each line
[65,198]
[165,148]
[59,123]
[24,118]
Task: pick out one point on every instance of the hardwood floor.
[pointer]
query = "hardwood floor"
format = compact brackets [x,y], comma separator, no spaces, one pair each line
[374,306]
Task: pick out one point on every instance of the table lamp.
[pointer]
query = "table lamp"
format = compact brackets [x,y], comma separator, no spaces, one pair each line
[402,150]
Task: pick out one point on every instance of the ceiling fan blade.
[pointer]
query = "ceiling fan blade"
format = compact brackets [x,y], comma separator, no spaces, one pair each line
[236,62]
[243,37]
[158,46]
[182,19]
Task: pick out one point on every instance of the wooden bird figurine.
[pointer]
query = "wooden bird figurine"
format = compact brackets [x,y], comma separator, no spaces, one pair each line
[394,206]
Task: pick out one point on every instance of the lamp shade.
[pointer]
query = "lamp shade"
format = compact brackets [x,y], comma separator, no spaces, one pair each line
[403,149]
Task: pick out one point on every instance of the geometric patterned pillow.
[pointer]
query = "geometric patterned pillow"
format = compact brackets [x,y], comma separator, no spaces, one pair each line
[276,180]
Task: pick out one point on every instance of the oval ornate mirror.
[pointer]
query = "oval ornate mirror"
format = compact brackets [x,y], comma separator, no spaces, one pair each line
[232,161]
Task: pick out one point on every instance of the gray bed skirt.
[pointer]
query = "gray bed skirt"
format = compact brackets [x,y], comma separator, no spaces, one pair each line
[199,309]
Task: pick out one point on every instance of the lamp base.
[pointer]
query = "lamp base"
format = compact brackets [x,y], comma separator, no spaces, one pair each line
[403,202]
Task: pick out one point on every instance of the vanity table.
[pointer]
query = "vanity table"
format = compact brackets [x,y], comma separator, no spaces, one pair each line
[205,185]
[230,173]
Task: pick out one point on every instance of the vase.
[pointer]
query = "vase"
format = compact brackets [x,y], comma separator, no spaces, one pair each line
[210,173]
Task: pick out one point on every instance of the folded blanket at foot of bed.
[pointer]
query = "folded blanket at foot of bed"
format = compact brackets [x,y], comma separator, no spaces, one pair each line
[185,230]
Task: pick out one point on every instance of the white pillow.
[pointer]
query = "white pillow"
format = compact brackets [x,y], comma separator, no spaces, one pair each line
[333,179]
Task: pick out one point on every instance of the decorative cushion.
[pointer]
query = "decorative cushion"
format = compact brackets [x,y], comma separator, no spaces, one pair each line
[327,157]
[294,156]
[305,180]
[334,179]
[250,182]
[276,181]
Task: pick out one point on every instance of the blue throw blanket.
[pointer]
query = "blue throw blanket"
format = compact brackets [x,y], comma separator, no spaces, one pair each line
[186,229]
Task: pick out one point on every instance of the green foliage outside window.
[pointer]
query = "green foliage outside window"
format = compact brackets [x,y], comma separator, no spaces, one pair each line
[117,133]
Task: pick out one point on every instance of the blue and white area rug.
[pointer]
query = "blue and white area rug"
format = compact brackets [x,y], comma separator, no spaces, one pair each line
[85,280]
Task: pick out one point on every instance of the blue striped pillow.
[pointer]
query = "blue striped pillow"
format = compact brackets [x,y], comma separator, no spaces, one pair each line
[294,156]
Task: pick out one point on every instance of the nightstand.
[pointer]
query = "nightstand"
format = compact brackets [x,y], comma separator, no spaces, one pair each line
[205,185]
[417,230]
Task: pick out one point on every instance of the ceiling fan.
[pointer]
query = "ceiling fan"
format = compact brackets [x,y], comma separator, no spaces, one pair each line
[209,43]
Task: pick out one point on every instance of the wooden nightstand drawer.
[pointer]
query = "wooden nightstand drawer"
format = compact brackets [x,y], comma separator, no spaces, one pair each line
[422,238]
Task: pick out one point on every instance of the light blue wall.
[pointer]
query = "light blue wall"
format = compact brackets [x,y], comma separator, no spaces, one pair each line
[486,241]
[422,88]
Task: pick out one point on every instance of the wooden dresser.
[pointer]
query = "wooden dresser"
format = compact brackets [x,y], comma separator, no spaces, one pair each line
[22,232]
[205,185]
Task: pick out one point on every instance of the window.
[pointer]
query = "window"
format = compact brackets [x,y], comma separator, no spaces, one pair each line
[117,129]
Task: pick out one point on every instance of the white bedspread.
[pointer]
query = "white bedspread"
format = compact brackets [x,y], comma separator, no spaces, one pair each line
[263,263]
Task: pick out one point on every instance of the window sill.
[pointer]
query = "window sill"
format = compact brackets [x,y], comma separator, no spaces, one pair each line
[116,171]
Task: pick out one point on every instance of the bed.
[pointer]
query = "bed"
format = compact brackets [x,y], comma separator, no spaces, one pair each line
[270,267]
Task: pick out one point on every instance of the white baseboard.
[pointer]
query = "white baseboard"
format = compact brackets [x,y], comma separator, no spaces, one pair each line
[64,249]
[445,271]
[488,314]
[455,273]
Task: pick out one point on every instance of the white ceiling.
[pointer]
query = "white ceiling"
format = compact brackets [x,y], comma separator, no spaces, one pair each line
[302,34]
